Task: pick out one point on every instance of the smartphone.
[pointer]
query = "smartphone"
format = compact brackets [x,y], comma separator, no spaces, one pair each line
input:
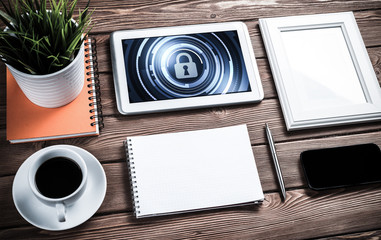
[342,166]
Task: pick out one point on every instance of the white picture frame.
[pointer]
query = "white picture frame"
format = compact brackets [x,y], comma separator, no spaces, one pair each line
[322,71]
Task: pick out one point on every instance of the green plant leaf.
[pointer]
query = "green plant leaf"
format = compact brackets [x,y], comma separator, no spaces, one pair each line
[7,19]
[41,40]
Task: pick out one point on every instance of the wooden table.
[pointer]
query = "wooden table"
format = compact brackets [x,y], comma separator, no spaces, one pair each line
[340,213]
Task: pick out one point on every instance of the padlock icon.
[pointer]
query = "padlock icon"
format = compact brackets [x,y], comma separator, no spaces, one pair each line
[185,69]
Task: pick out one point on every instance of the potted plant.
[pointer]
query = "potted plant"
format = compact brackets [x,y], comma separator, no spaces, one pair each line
[44,50]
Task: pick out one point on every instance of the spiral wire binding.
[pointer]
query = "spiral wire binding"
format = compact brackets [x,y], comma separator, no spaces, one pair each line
[93,83]
[132,175]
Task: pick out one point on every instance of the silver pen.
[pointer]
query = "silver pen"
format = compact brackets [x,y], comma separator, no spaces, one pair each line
[276,162]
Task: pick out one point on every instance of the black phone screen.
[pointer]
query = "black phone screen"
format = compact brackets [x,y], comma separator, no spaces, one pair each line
[342,166]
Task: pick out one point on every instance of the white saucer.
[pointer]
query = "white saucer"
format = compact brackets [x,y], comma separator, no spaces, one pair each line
[45,217]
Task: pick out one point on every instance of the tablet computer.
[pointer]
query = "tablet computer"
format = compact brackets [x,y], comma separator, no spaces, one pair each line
[171,68]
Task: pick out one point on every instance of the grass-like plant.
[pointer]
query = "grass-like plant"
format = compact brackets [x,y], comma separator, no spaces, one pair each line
[38,40]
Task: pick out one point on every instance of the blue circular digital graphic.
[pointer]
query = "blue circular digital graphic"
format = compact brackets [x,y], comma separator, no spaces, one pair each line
[184,66]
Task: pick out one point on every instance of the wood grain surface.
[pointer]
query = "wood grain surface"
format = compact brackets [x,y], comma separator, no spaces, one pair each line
[345,213]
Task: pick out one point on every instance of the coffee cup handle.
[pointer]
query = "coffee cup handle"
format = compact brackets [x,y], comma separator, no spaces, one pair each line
[61,212]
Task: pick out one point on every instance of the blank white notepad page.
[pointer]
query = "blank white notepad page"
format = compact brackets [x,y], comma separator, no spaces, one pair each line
[185,171]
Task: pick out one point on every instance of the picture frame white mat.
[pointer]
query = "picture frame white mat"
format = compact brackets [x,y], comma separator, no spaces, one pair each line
[321,69]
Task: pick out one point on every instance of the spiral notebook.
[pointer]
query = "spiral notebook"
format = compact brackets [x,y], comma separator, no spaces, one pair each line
[191,171]
[27,122]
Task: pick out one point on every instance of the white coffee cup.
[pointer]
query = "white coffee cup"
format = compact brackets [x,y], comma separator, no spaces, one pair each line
[61,203]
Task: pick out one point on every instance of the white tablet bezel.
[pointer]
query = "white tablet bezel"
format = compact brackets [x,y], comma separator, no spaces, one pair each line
[120,79]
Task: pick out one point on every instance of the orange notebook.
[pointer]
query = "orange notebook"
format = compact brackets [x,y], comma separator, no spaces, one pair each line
[27,122]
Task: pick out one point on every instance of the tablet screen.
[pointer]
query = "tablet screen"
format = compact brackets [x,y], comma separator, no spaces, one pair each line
[182,66]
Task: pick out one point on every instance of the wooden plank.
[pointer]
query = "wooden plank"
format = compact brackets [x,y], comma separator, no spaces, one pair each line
[108,92]
[305,214]
[111,16]
[9,215]
[3,90]
[288,153]
[224,114]
[375,58]
[358,236]
[12,156]
[107,88]
[111,150]
[118,191]
[255,116]
[369,24]
[125,14]
[108,146]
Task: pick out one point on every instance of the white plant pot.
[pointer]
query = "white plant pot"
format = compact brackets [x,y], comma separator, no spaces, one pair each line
[55,89]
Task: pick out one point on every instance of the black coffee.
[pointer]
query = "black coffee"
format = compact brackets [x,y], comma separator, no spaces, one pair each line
[58,177]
